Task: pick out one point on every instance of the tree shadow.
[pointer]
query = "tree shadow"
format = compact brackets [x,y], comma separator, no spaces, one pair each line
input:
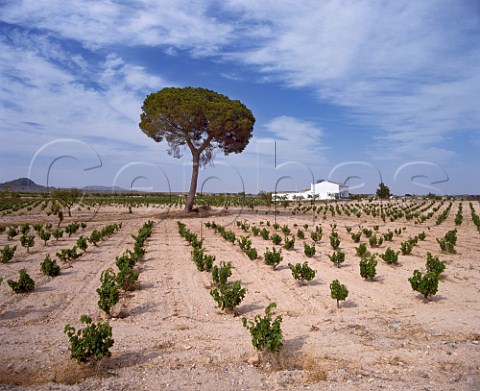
[244,309]
[348,304]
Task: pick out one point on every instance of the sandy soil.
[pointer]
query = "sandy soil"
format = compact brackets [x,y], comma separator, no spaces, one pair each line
[172,336]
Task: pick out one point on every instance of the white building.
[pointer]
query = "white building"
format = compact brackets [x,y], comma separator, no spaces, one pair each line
[322,190]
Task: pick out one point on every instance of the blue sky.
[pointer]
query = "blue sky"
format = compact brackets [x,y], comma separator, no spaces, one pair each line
[356,91]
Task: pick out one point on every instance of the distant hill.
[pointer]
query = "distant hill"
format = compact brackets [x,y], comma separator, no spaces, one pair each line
[24,185]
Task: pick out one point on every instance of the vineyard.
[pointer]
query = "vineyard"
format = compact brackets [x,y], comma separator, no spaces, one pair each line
[241,294]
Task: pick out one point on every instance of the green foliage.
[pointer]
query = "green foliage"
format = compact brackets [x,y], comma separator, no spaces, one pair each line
[208,262]
[255,231]
[383,191]
[367,232]
[390,256]
[434,265]
[368,265]
[338,291]
[82,243]
[68,254]
[406,247]
[244,242]
[308,250]
[49,267]
[285,230]
[197,256]
[72,228]
[95,237]
[67,197]
[276,239]
[108,291]
[388,236]
[302,272]
[266,333]
[27,241]
[272,258]
[374,241]
[337,257]
[214,122]
[252,253]
[301,234]
[422,235]
[265,234]
[361,249]
[127,278]
[334,240]
[448,242]
[57,233]
[289,243]
[228,295]
[45,236]
[426,284]
[7,253]
[356,236]
[127,259]
[25,229]
[90,343]
[276,226]
[24,284]
[315,236]
[11,233]
[221,274]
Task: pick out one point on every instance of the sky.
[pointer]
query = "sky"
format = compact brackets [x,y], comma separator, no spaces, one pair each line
[359,91]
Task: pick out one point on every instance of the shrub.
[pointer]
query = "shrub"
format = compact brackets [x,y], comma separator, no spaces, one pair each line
[27,241]
[244,242]
[276,239]
[197,256]
[338,257]
[72,228]
[82,243]
[300,234]
[434,265]
[367,232]
[338,291]
[285,230]
[25,229]
[208,262]
[127,259]
[24,284]
[448,242]
[95,237]
[308,250]
[406,247]
[422,235]
[11,233]
[374,241]
[302,272]
[426,284]
[315,236]
[127,278]
[255,231]
[272,258]
[289,243]
[57,233]
[334,240]
[276,226]
[390,256]
[356,237]
[368,265]
[252,253]
[265,233]
[108,291]
[7,253]
[49,267]
[221,274]
[90,343]
[361,250]
[388,236]
[266,334]
[228,295]
[45,236]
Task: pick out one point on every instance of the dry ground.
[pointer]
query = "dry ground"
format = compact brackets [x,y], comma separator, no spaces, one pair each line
[384,336]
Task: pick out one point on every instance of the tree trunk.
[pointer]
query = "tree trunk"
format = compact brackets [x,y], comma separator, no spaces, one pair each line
[193,182]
